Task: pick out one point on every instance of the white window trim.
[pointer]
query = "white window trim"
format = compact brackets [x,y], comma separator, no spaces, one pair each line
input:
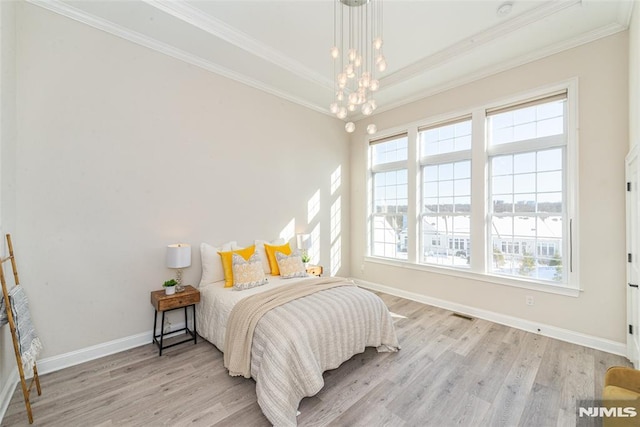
[425,160]
[388,167]
[381,168]
[480,277]
[479,190]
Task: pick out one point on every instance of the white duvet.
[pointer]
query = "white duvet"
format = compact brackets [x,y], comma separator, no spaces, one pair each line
[293,344]
[216,303]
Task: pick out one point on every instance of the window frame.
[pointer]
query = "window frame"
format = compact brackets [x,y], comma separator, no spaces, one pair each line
[520,240]
[426,160]
[566,142]
[383,168]
[479,270]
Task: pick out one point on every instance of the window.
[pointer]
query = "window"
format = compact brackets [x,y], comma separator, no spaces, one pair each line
[389,197]
[546,249]
[510,247]
[527,188]
[489,191]
[446,139]
[446,193]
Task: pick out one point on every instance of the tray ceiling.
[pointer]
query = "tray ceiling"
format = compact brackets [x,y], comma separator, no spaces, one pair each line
[282,47]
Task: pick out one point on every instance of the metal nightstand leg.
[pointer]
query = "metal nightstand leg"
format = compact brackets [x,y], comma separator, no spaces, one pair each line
[161,334]
[155,322]
[193,335]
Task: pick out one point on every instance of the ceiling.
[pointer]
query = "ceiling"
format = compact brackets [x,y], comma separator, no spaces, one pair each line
[282,47]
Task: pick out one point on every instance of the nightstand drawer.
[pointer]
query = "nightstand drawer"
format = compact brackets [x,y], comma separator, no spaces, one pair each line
[162,302]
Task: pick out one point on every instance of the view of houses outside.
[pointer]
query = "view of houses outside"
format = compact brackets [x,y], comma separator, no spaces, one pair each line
[518,254]
[526,190]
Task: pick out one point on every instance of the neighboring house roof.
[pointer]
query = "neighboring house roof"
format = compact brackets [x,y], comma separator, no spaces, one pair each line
[520,227]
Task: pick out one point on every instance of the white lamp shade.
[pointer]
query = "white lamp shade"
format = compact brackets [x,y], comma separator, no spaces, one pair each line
[304,241]
[178,255]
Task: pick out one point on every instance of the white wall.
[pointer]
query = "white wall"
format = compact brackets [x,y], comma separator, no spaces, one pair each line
[7,170]
[634,76]
[123,150]
[602,70]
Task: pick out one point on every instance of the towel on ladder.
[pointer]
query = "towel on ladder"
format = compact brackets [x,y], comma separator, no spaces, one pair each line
[28,340]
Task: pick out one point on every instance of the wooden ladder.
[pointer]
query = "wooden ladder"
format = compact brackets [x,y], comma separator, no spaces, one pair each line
[26,390]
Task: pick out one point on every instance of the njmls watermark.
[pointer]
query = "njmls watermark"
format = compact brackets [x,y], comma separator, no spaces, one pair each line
[592,413]
[601,411]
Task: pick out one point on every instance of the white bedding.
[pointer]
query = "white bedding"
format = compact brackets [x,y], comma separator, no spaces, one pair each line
[216,303]
[294,343]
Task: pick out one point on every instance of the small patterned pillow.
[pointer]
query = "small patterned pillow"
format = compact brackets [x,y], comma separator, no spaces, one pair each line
[290,265]
[247,274]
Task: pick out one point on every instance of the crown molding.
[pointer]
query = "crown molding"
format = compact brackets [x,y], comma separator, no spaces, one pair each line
[470,43]
[71,12]
[599,33]
[195,17]
[226,32]
[625,11]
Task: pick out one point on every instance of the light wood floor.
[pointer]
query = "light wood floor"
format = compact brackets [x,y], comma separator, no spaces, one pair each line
[450,371]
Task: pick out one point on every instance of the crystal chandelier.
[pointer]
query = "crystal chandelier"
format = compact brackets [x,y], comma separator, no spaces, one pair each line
[357,57]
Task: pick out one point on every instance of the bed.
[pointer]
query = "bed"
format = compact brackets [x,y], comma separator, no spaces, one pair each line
[294,343]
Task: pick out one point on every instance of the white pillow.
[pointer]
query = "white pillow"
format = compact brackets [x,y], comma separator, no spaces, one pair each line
[212,270]
[263,253]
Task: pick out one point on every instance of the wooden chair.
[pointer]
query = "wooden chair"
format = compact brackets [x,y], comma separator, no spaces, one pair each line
[26,390]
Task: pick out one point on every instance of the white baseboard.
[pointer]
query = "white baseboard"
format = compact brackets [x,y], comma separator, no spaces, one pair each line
[8,388]
[55,363]
[515,322]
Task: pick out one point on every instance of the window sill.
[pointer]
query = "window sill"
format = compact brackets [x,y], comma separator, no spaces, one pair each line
[481,277]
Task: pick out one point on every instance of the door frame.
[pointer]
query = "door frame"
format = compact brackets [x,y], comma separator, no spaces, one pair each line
[632,209]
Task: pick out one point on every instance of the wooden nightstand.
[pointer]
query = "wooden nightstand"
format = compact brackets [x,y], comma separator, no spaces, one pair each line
[161,302]
[314,270]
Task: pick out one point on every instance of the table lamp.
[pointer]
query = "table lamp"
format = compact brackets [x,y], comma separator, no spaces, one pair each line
[179,257]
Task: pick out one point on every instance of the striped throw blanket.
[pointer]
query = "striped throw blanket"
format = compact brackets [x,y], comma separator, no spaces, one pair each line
[293,343]
[247,313]
[29,343]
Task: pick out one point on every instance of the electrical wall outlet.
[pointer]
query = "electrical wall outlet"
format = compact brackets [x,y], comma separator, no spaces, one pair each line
[528,300]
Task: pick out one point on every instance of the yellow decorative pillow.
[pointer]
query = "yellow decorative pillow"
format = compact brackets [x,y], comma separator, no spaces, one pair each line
[271,256]
[227,262]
